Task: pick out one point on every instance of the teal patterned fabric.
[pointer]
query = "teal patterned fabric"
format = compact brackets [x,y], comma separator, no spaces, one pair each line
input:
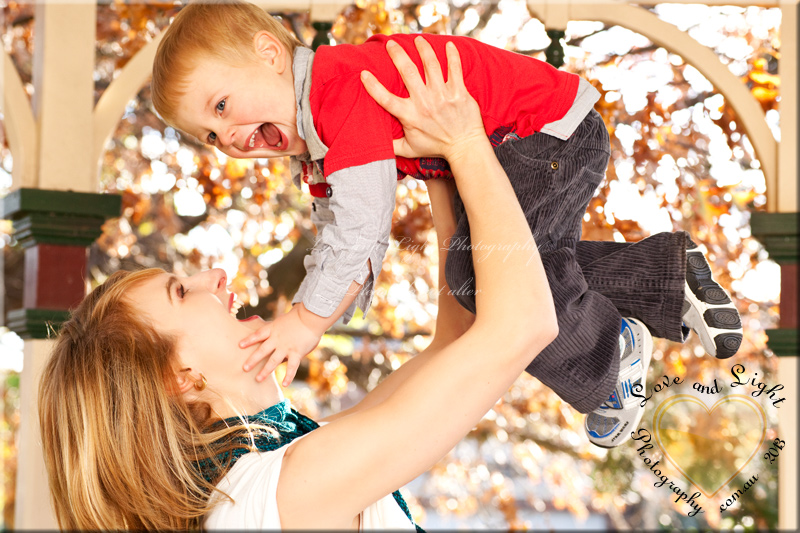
[290,424]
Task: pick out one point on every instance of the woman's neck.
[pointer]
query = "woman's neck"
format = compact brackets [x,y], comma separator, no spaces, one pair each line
[248,397]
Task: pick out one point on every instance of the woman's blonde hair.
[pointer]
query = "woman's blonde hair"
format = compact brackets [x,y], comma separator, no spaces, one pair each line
[221,29]
[120,442]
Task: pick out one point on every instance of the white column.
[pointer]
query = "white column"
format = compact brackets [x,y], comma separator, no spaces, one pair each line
[788,71]
[63,67]
[790,114]
[788,173]
[33,508]
[788,431]
[63,77]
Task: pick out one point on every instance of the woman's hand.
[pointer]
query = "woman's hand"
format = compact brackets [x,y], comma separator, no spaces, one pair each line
[440,119]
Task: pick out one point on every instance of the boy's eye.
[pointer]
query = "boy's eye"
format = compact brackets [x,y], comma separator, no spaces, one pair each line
[212,137]
[182,291]
[221,105]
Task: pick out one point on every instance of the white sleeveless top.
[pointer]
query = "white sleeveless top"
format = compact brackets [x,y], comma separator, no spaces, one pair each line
[253,485]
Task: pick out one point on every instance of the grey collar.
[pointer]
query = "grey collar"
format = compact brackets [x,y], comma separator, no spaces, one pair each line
[303,62]
[302,55]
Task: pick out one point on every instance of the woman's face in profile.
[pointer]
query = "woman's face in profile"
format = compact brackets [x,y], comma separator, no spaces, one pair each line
[197,310]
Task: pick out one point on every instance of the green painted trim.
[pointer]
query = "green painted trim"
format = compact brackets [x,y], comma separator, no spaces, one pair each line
[23,201]
[554,53]
[782,250]
[322,35]
[44,228]
[779,233]
[36,323]
[762,223]
[58,217]
[783,342]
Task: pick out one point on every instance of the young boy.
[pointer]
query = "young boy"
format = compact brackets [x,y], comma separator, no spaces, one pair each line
[231,76]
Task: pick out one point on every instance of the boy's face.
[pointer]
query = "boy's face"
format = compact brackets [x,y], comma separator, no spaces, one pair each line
[245,111]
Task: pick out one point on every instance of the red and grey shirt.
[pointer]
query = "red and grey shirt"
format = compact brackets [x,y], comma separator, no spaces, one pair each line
[350,139]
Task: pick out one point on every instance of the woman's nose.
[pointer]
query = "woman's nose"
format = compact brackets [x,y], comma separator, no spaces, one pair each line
[218,279]
[212,280]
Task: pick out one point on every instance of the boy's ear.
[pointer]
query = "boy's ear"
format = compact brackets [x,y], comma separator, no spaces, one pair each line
[271,50]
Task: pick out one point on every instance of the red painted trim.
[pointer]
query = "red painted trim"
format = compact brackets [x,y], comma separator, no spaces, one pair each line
[54,276]
[788,307]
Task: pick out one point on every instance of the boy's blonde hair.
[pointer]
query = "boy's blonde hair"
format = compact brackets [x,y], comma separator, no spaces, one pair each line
[219,29]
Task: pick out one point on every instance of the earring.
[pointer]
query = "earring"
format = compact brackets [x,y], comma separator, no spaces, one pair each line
[200,385]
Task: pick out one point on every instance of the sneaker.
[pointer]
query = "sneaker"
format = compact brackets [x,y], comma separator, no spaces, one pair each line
[708,309]
[611,424]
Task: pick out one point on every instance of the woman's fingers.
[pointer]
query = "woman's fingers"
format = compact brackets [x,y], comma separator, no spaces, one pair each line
[455,75]
[430,63]
[391,103]
[407,69]
[433,115]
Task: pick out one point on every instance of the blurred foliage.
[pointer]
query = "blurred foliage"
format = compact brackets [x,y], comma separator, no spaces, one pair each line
[187,207]
[9,423]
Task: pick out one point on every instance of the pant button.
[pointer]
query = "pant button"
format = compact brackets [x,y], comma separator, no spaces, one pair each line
[554,165]
[328,191]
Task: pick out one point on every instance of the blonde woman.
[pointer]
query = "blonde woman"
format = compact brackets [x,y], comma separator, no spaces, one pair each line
[142,403]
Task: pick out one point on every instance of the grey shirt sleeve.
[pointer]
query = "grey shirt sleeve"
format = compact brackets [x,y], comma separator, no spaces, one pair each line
[353,226]
[584,102]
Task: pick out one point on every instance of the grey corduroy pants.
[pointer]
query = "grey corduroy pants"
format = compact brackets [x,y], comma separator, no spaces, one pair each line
[593,283]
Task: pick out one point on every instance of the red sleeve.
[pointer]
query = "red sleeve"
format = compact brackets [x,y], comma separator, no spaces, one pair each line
[350,123]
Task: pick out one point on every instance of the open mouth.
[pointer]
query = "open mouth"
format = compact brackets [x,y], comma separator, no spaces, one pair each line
[234,305]
[268,135]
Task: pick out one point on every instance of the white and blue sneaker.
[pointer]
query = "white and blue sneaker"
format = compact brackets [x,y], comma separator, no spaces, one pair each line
[708,309]
[611,424]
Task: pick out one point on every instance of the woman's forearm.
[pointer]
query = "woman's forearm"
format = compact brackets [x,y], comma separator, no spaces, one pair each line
[452,320]
[512,285]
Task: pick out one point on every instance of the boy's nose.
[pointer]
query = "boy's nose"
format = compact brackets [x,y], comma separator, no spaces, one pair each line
[229,136]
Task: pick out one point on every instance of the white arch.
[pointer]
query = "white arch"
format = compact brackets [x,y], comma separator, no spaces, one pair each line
[19,124]
[700,57]
[110,107]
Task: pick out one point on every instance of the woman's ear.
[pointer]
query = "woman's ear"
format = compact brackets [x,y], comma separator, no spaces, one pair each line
[184,379]
[270,50]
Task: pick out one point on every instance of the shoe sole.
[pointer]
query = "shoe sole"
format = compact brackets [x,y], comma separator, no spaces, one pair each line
[711,313]
[645,339]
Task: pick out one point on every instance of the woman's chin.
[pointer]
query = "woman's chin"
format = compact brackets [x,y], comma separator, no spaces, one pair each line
[252,322]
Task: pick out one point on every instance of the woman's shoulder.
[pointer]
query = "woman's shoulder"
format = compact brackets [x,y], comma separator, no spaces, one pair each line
[252,484]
